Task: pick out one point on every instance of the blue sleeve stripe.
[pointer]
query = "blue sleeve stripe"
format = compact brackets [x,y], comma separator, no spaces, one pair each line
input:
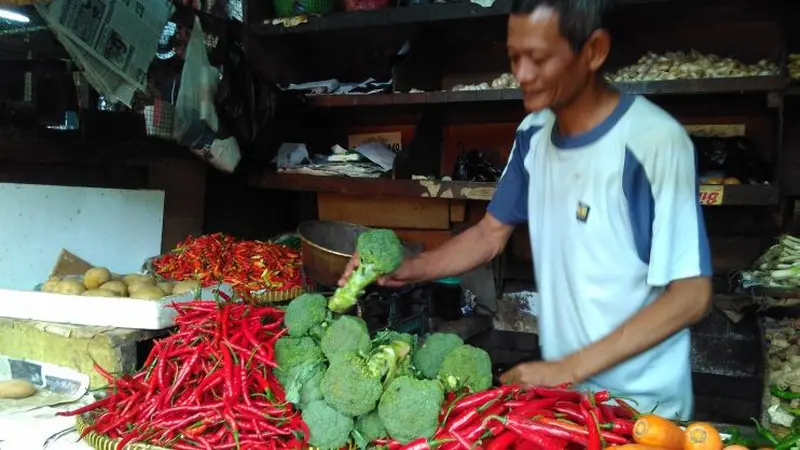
[509,204]
[641,207]
[641,204]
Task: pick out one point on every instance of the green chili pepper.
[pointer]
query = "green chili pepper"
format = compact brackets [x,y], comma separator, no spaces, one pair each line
[792,440]
[786,395]
[765,433]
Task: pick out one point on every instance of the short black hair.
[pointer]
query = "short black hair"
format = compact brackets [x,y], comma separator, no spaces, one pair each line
[577,19]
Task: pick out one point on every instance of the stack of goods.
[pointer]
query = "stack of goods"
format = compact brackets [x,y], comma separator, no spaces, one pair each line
[778,267]
[208,385]
[690,65]
[248,266]
[794,66]
[783,364]
[100,282]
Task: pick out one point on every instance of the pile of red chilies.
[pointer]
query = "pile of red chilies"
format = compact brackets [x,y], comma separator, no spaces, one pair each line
[510,417]
[246,265]
[207,386]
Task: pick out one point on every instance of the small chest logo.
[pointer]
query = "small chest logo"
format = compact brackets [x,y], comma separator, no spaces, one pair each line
[582,212]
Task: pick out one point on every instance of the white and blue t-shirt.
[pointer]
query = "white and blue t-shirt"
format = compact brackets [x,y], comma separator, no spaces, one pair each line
[614,216]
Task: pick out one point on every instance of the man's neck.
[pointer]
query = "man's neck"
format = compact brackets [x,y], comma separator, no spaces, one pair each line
[587,110]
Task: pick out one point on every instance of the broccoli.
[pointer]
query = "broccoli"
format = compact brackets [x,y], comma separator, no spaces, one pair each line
[409,408]
[347,334]
[370,426]
[429,357]
[291,352]
[467,366]
[387,336]
[301,382]
[305,313]
[327,428]
[351,386]
[380,252]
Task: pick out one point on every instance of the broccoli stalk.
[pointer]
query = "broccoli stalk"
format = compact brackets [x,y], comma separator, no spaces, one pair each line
[380,253]
[387,359]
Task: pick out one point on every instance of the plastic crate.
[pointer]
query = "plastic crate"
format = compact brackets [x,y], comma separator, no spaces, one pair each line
[416,324]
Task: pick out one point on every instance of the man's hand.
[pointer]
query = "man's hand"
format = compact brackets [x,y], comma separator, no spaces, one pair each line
[540,373]
[395,279]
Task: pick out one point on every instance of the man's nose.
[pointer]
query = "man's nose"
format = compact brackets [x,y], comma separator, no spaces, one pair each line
[524,72]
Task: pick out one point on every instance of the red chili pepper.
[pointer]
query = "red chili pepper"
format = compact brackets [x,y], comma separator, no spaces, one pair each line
[622,427]
[594,441]
[633,412]
[422,444]
[562,394]
[570,411]
[534,405]
[525,427]
[609,437]
[478,399]
[503,441]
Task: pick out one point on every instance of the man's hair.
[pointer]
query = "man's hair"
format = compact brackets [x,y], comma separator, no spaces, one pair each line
[577,19]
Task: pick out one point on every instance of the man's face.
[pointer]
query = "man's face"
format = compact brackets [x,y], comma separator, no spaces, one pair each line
[549,72]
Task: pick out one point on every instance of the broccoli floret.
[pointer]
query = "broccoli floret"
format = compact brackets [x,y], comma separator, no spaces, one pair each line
[380,252]
[351,385]
[409,408]
[467,366]
[347,334]
[370,426]
[305,313]
[429,357]
[291,352]
[327,428]
[301,382]
[387,336]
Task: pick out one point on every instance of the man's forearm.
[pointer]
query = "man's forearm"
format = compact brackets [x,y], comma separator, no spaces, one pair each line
[679,306]
[464,252]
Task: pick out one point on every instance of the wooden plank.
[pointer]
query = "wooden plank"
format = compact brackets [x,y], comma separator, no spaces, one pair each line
[184,184]
[437,12]
[400,212]
[458,211]
[731,195]
[762,84]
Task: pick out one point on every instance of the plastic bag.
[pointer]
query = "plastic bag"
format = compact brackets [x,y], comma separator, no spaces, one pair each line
[196,121]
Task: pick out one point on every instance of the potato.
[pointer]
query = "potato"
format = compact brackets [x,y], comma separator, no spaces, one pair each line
[148,292]
[96,277]
[166,287]
[50,284]
[132,278]
[118,287]
[100,292]
[182,287]
[69,286]
[136,285]
[16,389]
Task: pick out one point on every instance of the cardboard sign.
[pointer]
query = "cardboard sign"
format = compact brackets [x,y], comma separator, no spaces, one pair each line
[711,195]
[391,140]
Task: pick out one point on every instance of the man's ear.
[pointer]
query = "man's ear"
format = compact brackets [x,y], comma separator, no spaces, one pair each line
[596,49]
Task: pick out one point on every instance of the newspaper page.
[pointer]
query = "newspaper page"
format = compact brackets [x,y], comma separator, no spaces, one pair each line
[113,41]
[54,384]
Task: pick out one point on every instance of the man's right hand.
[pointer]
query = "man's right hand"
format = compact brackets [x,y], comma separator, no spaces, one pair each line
[394,279]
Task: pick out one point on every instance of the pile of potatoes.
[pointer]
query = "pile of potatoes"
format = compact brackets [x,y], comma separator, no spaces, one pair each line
[100,282]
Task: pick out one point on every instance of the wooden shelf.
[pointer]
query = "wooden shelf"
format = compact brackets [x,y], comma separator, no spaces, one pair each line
[437,12]
[711,195]
[673,87]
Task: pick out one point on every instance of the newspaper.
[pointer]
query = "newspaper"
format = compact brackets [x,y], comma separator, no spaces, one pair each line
[112,41]
[55,384]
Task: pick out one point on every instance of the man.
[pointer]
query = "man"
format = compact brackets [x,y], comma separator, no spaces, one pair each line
[607,183]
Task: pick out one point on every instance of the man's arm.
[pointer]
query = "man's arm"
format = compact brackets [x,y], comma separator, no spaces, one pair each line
[678,259]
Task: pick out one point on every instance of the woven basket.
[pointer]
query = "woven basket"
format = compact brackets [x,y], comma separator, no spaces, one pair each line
[102,442]
[263,297]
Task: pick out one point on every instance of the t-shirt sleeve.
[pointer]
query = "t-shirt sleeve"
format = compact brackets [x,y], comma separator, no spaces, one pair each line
[679,246]
[509,204]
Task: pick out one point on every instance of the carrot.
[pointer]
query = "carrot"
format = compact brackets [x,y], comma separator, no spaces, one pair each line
[656,431]
[634,447]
[736,447]
[702,436]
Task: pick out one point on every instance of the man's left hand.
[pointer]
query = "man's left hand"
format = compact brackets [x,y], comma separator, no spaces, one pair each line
[540,373]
